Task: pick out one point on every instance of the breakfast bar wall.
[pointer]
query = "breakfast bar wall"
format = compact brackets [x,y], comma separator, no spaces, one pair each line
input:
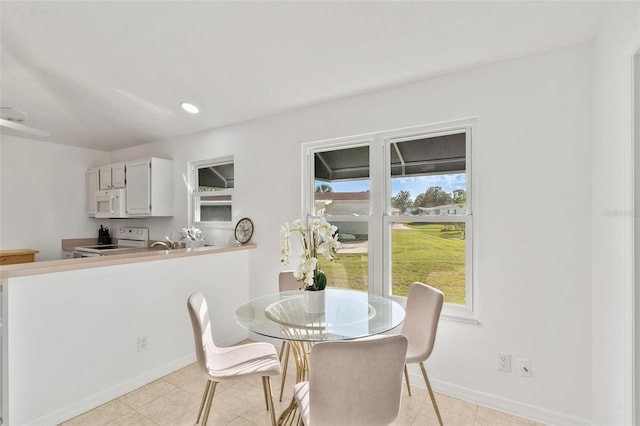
[71,339]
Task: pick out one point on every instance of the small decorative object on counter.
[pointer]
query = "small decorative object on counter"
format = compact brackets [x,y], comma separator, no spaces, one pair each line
[244,230]
[317,238]
[193,237]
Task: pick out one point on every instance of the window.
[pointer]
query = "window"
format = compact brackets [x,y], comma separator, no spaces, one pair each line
[428,221]
[212,190]
[342,194]
[402,203]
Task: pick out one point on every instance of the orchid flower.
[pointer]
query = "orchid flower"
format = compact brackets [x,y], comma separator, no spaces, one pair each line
[317,238]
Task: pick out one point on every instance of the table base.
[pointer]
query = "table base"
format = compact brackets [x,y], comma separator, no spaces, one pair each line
[301,351]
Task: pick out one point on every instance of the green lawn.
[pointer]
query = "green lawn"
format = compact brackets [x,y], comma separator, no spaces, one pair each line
[425,252]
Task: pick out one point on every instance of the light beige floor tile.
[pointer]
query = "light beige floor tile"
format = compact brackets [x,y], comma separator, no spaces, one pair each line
[488,417]
[454,412]
[175,399]
[410,406]
[403,419]
[197,384]
[170,406]
[421,420]
[239,421]
[184,376]
[132,419]
[147,393]
[217,416]
[245,400]
[101,415]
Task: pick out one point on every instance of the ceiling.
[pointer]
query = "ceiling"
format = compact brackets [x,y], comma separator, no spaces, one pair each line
[108,75]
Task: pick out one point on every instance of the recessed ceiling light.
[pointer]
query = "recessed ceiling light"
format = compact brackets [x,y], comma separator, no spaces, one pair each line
[190,108]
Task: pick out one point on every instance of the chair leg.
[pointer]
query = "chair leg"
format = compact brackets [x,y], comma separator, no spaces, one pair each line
[406,379]
[266,384]
[264,392]
[284,350]
[204,400]
[212,390]
[433,398]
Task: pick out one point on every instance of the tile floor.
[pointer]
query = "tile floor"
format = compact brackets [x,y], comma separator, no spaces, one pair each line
[174,401]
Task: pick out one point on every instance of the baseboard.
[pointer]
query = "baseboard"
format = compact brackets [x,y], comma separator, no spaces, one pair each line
[106,395]
[516,408]
[102,397]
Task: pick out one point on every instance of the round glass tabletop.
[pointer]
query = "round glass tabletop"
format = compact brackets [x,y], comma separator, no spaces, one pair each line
[349,314]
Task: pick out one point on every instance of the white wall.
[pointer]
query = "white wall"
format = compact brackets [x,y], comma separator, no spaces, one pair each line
[43,195]
[532,147]
[618,40]
[70,339]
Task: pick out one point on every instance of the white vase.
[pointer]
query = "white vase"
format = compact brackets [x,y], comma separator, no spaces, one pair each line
[314,301]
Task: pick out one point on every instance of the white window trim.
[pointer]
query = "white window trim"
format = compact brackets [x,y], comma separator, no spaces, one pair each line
[379,223]
[192,189]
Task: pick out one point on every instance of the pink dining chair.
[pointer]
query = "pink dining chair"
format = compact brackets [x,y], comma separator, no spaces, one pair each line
[424,304]
[232,363]
[286,282]
[353,382]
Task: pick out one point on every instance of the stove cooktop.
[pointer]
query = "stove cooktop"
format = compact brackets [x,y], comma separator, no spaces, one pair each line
[128,238]
[100,247]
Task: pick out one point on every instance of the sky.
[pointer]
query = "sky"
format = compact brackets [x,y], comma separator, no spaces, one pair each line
[414,185]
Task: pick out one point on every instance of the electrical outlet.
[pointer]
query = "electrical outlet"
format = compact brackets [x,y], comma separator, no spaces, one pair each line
[524,367]
[142,343]
[504,362]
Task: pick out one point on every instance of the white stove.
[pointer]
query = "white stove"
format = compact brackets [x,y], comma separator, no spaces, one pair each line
[128,238]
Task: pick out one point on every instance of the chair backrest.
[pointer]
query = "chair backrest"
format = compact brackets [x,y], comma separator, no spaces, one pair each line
[356,382]
[199,314]
[287,281]
[423,308]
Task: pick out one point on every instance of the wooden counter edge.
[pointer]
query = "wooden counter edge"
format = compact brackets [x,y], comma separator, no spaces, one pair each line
[17,252]
[51,266]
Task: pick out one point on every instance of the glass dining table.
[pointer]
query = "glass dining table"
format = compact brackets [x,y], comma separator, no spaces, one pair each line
[349,314]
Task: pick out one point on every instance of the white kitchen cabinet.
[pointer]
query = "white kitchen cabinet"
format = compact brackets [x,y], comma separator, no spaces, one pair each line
[149,187]
[92,187]
[112,176]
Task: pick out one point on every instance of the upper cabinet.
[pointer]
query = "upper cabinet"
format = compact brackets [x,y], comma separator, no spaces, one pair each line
[148,184]
[149,187]
[112,176]
[92,188]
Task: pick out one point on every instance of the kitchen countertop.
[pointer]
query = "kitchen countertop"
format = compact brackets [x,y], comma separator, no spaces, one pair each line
[71,244]
[130,256]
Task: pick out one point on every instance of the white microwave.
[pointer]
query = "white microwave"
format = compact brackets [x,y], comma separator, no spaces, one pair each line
[111,203]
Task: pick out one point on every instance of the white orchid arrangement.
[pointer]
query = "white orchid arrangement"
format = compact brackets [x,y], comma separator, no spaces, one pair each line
[317,238]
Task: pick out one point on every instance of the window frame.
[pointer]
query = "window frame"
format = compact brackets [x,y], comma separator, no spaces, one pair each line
[194,194]
[379,219]
[308,187]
